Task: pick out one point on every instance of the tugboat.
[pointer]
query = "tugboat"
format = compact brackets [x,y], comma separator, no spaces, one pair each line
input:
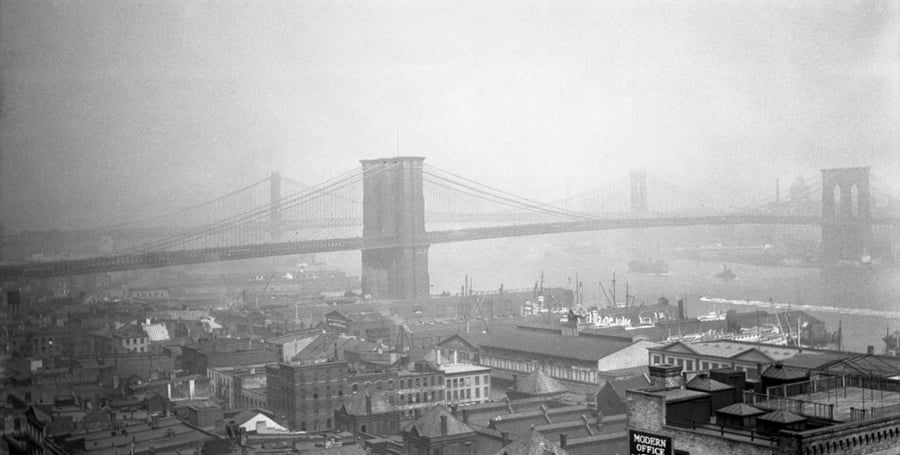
[726,274]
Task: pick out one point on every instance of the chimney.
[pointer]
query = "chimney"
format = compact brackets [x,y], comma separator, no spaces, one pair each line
[443,425]
[563,440]
[680,309]
[504,436]
[665,377]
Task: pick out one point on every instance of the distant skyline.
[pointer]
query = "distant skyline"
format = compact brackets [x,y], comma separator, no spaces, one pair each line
[115,110]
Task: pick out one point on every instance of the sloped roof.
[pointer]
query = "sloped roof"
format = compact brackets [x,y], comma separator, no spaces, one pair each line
[781,416]
[429,425]
[247,414]
[637,382]
[705,384]
[778,371]
[579,348]
[741,409]
[156,332]
[538,383]
[861,364]
[532,443]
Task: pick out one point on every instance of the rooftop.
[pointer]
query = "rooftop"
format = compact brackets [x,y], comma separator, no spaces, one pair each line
[578,348]
[459,368]
[538,383]
[533,443]
[429,425]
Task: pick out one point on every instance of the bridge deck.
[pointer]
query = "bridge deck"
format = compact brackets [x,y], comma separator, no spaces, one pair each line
[143,260]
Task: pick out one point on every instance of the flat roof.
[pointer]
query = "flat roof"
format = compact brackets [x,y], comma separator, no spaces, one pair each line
[457,368]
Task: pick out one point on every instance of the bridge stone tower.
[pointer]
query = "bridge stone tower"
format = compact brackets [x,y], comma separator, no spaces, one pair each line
[394,211]
[846,213]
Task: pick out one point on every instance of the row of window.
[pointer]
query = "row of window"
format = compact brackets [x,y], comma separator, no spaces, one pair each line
[420,382]
[688,364]
[466,394]
[466,381]
[423,397]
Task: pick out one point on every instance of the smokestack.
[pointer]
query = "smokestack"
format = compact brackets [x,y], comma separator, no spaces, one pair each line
[443,425]
[665,377]
[680,309]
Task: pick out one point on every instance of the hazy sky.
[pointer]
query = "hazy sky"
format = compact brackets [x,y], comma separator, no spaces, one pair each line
[115,109]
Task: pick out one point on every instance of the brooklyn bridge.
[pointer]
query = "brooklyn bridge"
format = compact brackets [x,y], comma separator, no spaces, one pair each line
[393,209]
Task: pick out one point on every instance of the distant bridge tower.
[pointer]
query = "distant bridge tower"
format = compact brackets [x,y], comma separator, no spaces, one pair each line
[846,213]
[639,191]
[275,215]
[394,210]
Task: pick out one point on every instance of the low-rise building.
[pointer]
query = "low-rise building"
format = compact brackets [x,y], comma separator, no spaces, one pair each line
[466,384]
[825,418]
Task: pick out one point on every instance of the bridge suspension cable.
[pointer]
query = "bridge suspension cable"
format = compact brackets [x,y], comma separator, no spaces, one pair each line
[457,183]
[192,208]
[258,215]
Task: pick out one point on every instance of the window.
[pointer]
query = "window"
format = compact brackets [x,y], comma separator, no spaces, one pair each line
[656,360]
[704,365]
[362,428]
[486,393]
[477,379]
[477,393]
[456,383]
[468,394]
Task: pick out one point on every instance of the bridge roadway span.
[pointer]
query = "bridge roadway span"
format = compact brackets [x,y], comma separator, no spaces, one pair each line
[145,260]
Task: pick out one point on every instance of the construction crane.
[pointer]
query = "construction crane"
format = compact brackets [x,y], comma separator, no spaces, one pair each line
[478,304]
[242,296]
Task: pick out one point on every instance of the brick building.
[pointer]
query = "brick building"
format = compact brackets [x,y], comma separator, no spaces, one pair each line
[369,414]
[305,396]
